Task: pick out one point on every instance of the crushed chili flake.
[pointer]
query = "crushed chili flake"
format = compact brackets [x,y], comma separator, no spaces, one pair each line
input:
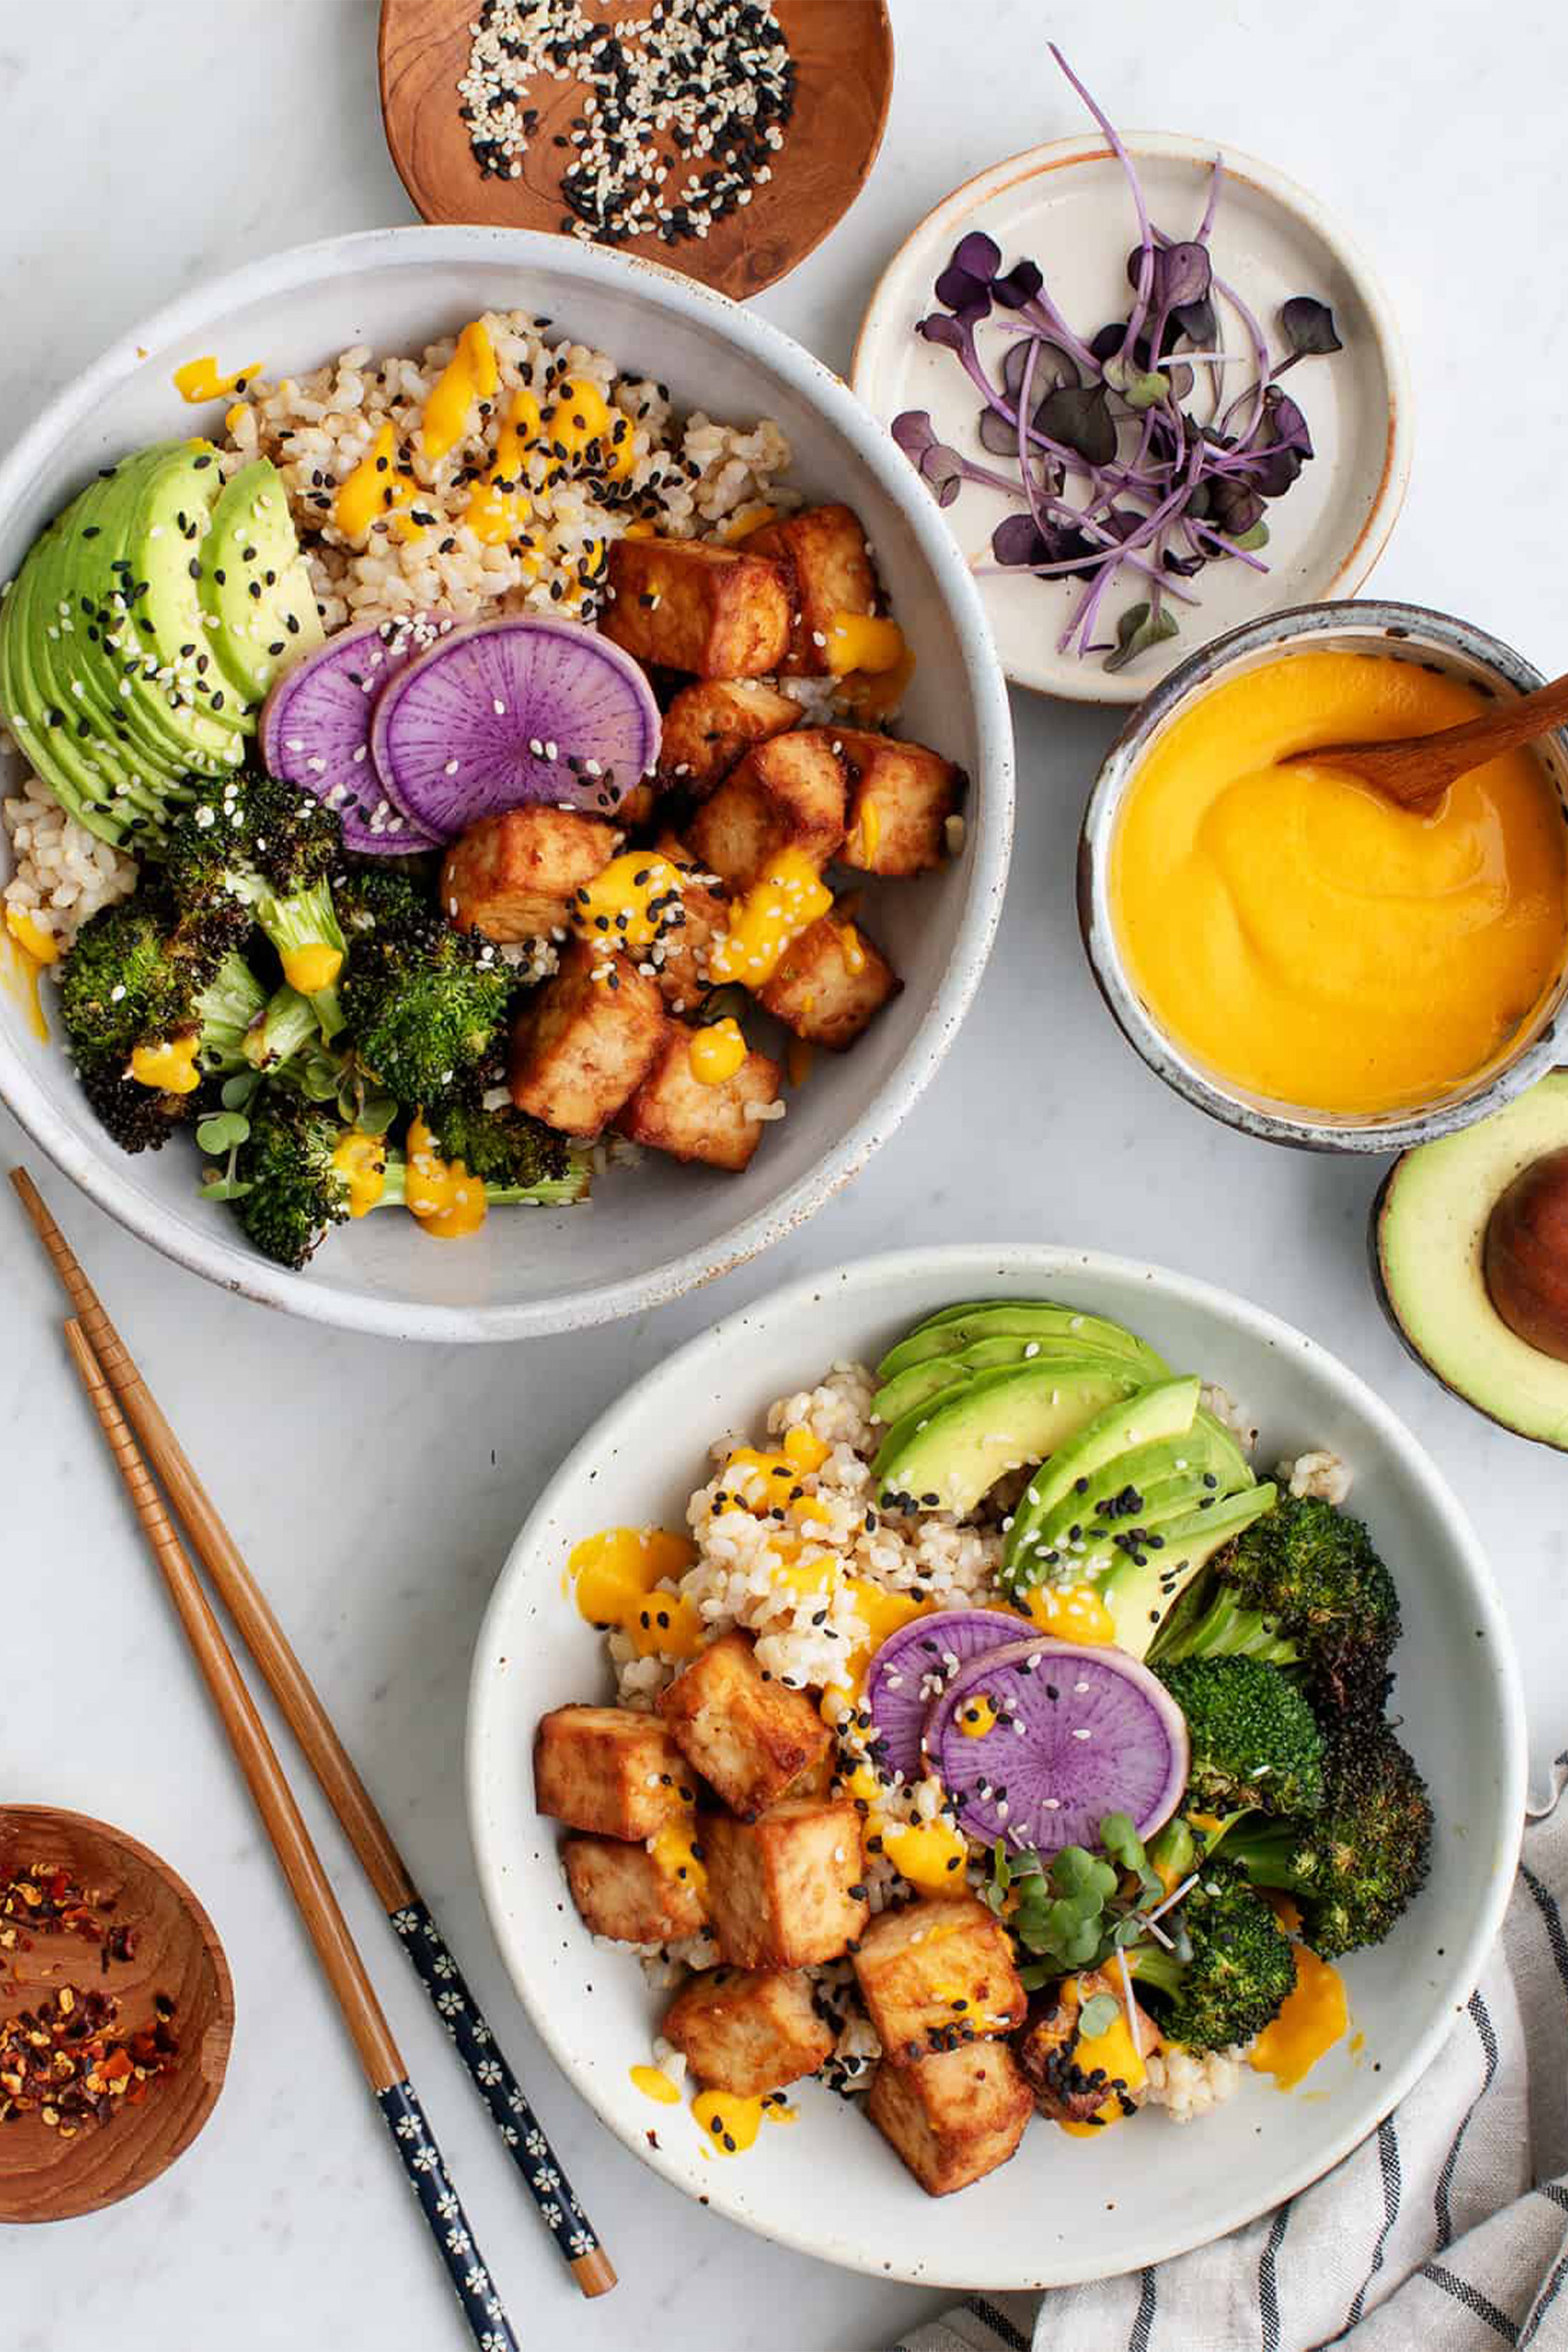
[62,2056]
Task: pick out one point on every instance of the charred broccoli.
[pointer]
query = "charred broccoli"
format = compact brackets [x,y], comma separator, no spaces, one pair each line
[516,1158]
[1231,1970]
[425,1003]
[288,1186]
[1356,1864]
[270,849]
[1301,1586]
[1254,1739]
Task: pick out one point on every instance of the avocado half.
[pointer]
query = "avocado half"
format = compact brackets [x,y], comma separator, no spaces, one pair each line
[1428,1235]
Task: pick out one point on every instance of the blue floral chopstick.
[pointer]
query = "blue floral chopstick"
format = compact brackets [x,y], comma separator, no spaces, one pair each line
[443,2209]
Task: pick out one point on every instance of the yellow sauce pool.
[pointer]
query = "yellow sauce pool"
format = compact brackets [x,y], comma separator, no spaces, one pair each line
[1304,939]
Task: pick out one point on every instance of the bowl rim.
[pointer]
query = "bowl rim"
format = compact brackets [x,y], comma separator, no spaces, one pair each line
[313,1296]
[1375,617]
[1087,683]
[971,1267]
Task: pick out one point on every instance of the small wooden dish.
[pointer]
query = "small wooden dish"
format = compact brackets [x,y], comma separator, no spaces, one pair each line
[843,53]
[42,2175]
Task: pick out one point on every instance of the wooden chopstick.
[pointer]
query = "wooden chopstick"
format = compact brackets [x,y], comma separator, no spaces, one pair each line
[316,1904]
[345,1793]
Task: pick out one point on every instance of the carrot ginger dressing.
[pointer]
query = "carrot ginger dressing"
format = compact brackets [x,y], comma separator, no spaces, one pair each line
[1305,940]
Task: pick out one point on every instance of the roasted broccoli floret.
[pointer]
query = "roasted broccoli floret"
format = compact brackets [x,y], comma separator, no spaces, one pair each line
[1254,1739]
[515,1158]
[137,973]
[1356,1864]
[1301,1585]
[288,1189]
[272,849]
[1232,1967]
[425,1003]
[374,900]
[139,1118]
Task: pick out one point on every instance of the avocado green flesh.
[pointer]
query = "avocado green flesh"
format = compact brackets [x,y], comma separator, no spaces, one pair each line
[918,1383]
[1140,1594]
[175,495]
[957,1449]
[1166,1410]
[960,1327]
[1429,1235]
[1169,1478]
[79,768]
[254,583]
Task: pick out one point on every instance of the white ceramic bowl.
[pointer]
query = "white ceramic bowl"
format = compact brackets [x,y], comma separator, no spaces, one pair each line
[655,1230]
[1063,2210]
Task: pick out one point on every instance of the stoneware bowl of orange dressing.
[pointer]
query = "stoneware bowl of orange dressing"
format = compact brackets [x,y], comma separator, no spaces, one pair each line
[1284,946]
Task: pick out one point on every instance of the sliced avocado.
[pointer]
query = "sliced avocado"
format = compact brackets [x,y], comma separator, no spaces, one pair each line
[254,583]
[946,1455]
[917,1382]
[168,528]
[1429,1235]
[1141,1592]
[1133,1495]
[60,740]
[1165,1410]
[956,1328]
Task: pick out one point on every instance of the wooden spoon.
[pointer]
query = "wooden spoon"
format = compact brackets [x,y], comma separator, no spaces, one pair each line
[843,53]
[1415,771]
[174,1951]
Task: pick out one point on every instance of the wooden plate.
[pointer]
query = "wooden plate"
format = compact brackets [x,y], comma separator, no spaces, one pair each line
[843,52]
[43,2177]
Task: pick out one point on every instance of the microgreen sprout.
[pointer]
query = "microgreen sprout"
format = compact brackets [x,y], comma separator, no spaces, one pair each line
[1117,475]
[1076,1909]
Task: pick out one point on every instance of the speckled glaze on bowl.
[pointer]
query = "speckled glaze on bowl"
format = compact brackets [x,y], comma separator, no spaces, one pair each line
[1063,2210]
[1403,633]
[655,1230]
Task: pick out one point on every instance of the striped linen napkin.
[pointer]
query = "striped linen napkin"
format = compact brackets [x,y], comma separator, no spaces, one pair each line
[1446,2230]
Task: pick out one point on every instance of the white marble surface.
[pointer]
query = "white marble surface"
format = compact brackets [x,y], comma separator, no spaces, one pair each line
[149,142]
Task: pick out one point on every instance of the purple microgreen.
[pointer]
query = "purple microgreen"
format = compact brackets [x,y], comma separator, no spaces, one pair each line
[1018,285]
[1139,627]
[1078,416]
[1156,494]
[1309,331]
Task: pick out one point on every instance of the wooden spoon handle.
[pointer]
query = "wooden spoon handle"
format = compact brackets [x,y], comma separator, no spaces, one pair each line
[1454,752]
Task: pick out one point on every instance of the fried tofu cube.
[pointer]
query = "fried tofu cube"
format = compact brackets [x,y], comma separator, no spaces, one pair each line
[830,983]
[748,2031]
[828,568]
[675,1111]
[789,793]
[712,611]
[609,1771]
[954,2118]
[1070,2089]
[785,1891]
[584,1042]
[682,976]
[745,1733]
[709,726]
[512,876]
[625,1893]
[636,808]
[901,796]
[935,1974]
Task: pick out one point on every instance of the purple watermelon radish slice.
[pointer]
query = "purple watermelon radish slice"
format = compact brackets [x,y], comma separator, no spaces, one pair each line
[315,728]
[1077,1733]
[503,712]
[915,1665]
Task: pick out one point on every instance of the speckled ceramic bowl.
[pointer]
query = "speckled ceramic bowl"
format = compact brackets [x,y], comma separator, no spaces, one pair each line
[655,1230]
[1403,633]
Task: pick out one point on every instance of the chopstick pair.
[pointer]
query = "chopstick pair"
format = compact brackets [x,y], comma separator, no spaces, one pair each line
[112,1380]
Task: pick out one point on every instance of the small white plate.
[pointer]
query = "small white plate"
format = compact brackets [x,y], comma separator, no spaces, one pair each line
[1066,207]
[1063,2210]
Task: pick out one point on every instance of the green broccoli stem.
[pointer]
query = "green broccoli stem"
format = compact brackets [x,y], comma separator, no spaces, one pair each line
[551,1191]
[1263,1849]
[1223,1629]
[288,1024]
[1155,1969]
[227,1008]
[303,919]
